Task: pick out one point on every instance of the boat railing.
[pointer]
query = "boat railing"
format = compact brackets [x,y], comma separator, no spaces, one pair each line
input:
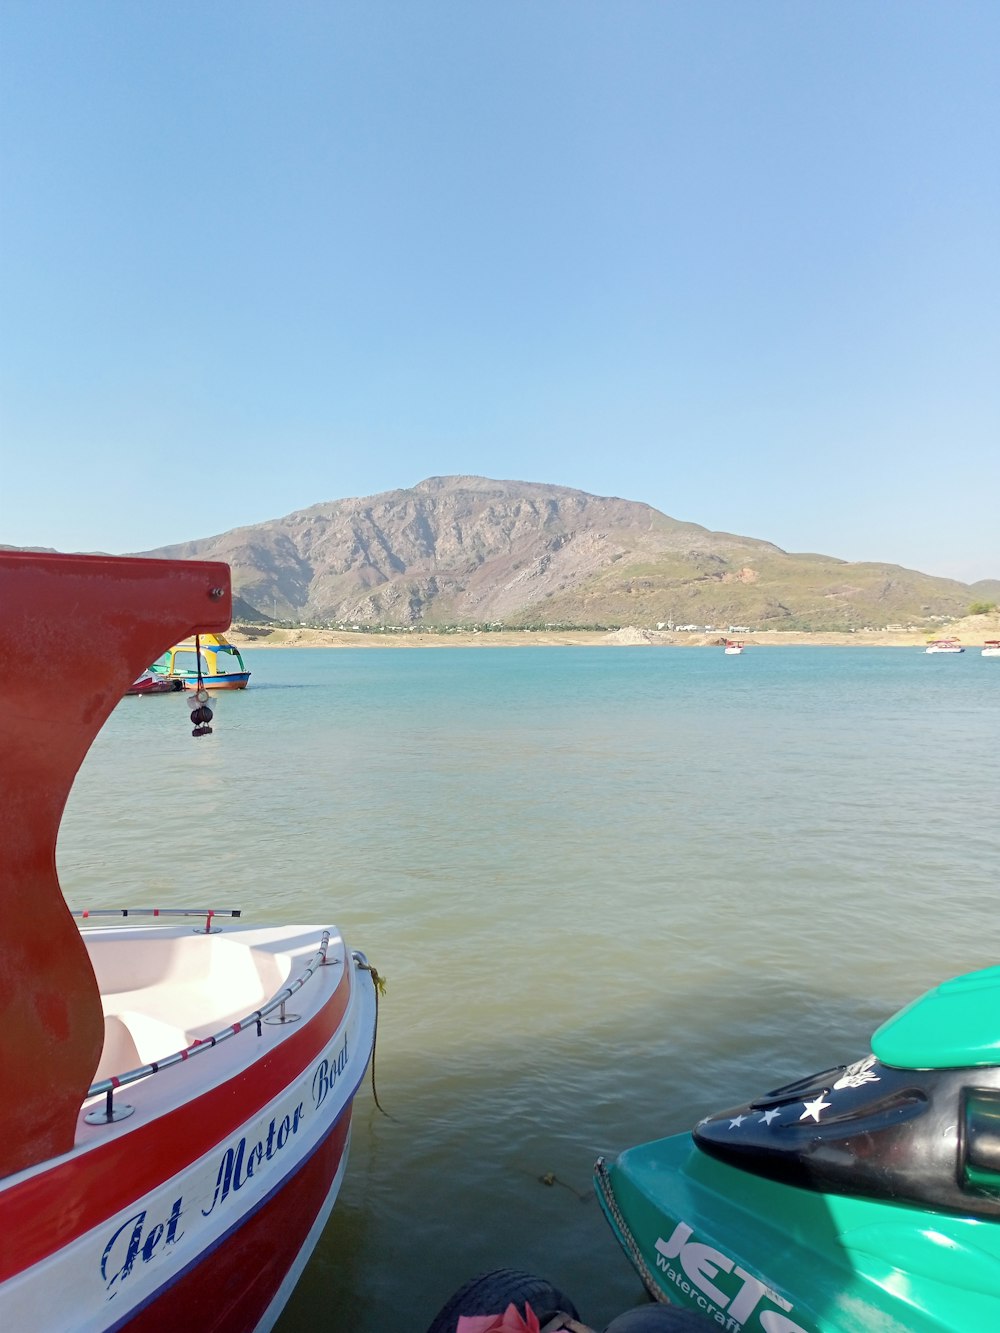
[209,913]
[272,1012]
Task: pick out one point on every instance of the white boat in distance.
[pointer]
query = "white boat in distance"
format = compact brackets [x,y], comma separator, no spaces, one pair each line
[944,646]
[991,648]
[733,647]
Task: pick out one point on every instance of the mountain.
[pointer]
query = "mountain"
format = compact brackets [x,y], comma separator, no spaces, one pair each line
[457,550]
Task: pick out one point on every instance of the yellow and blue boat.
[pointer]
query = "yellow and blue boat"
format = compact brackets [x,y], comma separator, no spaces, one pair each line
[222,667]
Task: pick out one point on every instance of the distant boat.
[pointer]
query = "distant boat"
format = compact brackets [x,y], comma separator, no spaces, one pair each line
[733,646]
[147,683]
[991,648]
[210,661]
[944,646]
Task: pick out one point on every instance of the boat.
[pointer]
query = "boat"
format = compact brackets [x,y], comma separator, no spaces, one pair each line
[865,1196]
[991,648]
[177,1088]
[204,661]
[732,647]
[944,646]
[148,683]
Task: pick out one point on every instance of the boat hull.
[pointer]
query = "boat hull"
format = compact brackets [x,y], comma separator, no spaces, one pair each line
[756,1255]
[237,680]
[234,680]
[243,1283]
[155,686]
[201,1207]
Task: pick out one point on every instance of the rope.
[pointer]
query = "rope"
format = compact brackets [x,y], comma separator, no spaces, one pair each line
[550,1178]
[201,714]
[379,984]
[629,1242]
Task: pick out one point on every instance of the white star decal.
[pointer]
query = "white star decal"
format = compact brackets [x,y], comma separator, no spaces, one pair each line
[813,1108]
[735,1124]
[768,1116]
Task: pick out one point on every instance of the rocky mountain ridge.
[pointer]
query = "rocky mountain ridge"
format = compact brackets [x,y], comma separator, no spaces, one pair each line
[460,550]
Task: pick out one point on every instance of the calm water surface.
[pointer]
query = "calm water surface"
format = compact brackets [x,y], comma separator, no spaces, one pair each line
[612,889]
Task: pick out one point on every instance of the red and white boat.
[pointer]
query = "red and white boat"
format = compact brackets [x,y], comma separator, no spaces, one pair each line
[991,648]
[944,646]
[147,683]
[733,647]
[177,1095]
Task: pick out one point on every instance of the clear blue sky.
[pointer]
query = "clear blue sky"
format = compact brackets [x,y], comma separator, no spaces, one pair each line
[740,261]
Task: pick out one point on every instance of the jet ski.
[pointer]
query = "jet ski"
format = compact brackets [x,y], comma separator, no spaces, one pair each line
[864,1197]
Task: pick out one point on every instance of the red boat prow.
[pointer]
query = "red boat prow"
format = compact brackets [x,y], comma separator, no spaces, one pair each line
[165,1121]
[53,1024]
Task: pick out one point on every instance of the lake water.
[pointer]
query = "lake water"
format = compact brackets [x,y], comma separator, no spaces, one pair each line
[611,889]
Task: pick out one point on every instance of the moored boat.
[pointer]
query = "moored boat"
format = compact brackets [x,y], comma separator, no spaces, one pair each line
[949,645]
[865,1196]
[204,661]
[148,683]
[176,1100]
[991,648]
[733,647]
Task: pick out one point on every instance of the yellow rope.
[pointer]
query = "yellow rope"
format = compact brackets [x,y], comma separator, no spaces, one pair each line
[378,982]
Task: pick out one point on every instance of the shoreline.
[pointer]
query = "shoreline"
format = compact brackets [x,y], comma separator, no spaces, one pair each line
[972,632]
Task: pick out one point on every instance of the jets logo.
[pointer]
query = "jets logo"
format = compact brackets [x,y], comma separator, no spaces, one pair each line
[858,1074]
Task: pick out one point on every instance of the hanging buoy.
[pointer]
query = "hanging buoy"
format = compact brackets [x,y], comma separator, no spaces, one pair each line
[201,714]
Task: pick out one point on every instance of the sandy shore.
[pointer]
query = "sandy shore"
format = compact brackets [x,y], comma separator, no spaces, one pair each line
[972,631]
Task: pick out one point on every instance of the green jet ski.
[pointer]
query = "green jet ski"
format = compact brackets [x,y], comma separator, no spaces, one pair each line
[864,1199]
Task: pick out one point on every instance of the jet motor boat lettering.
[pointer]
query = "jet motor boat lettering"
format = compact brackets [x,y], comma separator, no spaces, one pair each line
[237,1165]
[702,1265]
[133,1240]
[326,1075]
[137,1239]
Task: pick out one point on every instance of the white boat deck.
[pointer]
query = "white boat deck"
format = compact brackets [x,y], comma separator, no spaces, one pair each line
[161,991]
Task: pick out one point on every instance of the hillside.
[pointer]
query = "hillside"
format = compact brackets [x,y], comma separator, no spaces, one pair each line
[461,550]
